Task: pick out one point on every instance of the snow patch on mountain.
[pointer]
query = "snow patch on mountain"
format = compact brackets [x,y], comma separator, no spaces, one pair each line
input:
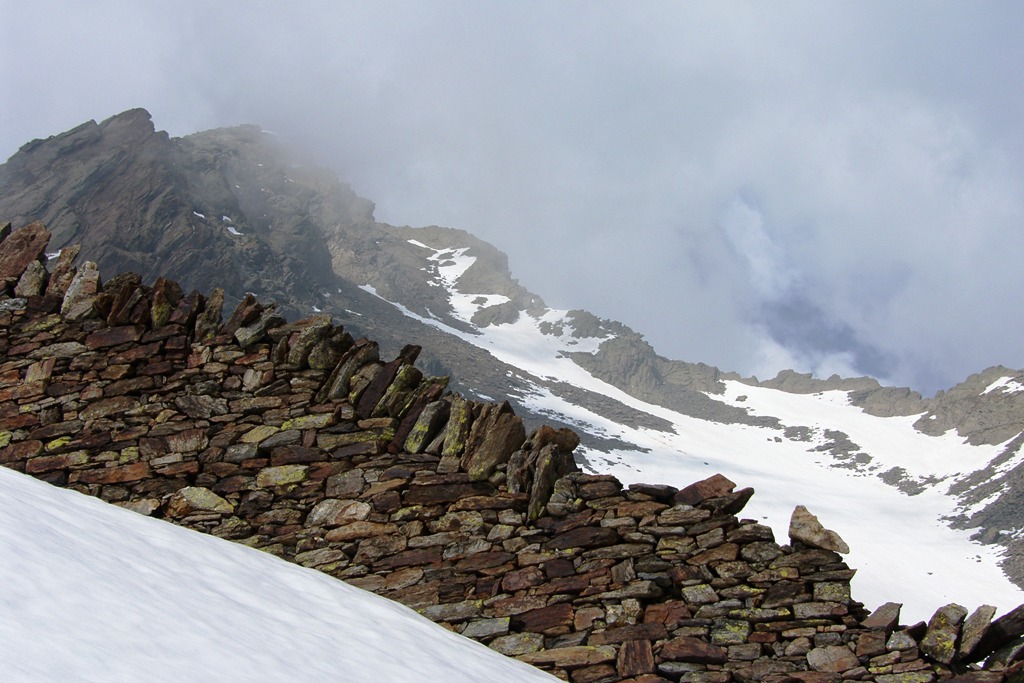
[1004,385]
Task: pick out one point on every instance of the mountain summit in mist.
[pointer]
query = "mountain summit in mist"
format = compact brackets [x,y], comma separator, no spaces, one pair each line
[231,208]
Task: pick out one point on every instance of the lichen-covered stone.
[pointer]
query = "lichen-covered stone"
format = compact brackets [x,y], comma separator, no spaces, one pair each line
[281,475]
[940,641]
[193,499]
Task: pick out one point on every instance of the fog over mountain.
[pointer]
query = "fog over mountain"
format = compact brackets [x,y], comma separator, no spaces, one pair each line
[828,187]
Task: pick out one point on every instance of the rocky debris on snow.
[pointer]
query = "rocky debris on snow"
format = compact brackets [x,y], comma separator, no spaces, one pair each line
[299,440]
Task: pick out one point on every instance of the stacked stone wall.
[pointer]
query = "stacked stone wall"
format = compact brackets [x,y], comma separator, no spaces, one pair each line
[298,440]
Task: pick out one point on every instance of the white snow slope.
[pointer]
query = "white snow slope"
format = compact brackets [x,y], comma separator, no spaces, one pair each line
[93,592]
[901,546]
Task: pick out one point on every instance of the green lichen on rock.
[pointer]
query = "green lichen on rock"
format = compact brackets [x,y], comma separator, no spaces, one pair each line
[458,427]
[259,433]
[315,421]
[940,641]
[281,475]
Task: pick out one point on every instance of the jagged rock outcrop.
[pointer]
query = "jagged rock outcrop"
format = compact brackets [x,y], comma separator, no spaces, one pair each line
[297,439]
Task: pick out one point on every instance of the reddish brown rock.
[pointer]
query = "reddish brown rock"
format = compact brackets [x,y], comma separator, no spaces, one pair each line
[647,631]
[445,493]
[570,657]
[688,649]
[21,248]
[554,618]
[114,475]
[712,487]
[585,537]
[635,657]
[113,336]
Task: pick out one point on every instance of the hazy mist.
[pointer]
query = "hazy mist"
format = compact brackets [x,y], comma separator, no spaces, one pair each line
[833,187]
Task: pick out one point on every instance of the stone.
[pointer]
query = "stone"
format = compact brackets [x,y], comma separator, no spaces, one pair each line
[1003,630]
[166,296]
[20,248]
[552,617]
[688,649]
[570,657]
[503,434]
[805,527]
[516,644]
[115,475]
[635,657]
[453,612]
[282,475]
[201,406]
[885,618]
[460,416]
[646,631]
[113,336]
[108,406]
[940,640]
[62,272]
[700,594]
[909,677]
[315,329]
[974,630]
[871,643]
[486,628]
[430,421]
[377,547]
[360,529]
[209,320]
[730,632]
[730,503]
[347,484]
[80,298]
[332,512]
[192,499]
[712,487]
[584,537]
[445,493]
[832,658]
[255,332]
[551,464]
[33,281]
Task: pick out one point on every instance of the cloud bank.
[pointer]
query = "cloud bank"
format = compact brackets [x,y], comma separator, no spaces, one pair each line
[834,187]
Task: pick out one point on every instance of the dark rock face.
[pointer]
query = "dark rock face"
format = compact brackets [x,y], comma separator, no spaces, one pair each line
[139,201]
[147,400]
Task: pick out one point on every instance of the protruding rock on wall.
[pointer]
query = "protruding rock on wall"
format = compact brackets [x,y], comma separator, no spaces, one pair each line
[299,440]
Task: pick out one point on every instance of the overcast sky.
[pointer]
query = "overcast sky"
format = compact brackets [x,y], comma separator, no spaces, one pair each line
[834,187]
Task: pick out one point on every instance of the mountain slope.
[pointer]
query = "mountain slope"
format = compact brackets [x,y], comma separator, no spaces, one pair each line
[230,207]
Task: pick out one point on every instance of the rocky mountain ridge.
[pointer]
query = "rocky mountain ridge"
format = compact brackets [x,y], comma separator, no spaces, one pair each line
[231,208]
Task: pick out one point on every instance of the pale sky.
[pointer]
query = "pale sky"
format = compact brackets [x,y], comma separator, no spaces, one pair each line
[833,187]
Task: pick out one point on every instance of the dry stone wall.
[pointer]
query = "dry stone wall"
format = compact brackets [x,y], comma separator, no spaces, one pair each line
[298,440]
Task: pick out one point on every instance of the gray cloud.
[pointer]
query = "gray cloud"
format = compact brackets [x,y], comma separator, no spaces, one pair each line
[829,186]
